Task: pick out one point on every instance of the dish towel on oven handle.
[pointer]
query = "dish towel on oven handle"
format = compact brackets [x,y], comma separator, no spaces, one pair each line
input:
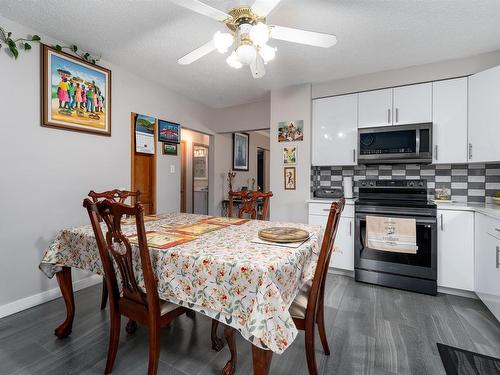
[394,234]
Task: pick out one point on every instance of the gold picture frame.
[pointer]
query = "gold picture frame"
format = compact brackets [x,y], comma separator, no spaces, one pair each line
[290,178]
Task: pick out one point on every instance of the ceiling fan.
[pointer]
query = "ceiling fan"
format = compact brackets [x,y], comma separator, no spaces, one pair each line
[248,35]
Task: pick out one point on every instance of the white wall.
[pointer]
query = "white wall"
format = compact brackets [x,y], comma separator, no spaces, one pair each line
[245,117]
[413,74]
[46,173]
[223,163]
[291,103]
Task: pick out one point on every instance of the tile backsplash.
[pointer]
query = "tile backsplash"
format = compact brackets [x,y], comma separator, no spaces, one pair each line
[468,183]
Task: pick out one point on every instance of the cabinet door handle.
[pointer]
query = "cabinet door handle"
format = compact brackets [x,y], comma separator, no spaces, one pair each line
[497,229]
[442,225]
[354,155]
[470,150]
[389,116]
[436,152]
[498,257]
[397,114]
[350,234]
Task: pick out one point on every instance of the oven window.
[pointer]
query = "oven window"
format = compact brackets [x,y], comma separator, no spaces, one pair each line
[422,258]
[390,142]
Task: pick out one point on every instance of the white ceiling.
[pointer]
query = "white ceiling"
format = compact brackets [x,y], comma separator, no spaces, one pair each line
[147,37]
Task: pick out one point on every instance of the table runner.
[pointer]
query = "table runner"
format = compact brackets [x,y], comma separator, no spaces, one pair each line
[221,274]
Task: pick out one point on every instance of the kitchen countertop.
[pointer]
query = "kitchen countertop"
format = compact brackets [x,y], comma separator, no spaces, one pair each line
[489,209]
[329,200]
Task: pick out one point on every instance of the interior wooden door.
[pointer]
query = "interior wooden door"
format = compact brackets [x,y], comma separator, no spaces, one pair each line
[143,173]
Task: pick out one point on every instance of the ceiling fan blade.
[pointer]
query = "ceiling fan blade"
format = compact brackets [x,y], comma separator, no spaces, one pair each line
[198,53]
[257,68]
[202,8]
[311,38]
[264,7]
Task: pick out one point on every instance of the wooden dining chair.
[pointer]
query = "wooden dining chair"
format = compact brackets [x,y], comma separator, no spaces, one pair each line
[307,310]
[249,201]
[145,308]
[118,196]
[249,205]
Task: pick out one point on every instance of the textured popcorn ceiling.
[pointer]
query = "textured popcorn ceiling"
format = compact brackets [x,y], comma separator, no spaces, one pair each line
[147,37]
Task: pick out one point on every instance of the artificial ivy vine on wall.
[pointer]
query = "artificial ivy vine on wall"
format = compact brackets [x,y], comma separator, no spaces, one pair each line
[14,45]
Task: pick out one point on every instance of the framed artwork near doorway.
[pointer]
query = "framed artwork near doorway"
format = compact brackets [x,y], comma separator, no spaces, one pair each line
[75,94]
[290,178]
[169,148]
[240,151]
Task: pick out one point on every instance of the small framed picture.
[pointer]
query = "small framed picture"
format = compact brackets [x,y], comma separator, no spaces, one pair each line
[289,176]
[291,131]
[169,148]
[240,151]
[289,155]
[168,131]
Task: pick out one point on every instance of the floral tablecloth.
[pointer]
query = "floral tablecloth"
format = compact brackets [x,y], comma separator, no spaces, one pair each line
[222,274]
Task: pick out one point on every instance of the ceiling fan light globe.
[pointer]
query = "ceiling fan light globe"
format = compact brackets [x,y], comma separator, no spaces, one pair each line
[246,54]
[259,34]
[233,61]
[267,53]
[223,41]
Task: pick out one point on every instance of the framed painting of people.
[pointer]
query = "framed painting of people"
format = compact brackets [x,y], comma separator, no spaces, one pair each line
[76,95]
[240,151]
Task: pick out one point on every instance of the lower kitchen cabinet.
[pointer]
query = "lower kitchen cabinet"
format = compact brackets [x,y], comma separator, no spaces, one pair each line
[343,254]
[487,262]
[456,249]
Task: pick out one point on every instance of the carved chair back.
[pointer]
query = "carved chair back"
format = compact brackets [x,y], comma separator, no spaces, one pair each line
[319,279]
[266,197]
[249,200]
[118,245]
[116,195]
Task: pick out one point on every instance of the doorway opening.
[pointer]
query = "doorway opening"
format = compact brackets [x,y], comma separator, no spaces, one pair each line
[194,184]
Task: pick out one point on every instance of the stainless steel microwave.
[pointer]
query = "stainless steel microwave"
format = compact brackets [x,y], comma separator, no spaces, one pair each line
[395,144]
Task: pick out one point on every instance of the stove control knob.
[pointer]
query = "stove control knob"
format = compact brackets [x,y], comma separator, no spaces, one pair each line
[421,183]
[363,183]
[372,183]
[411,184]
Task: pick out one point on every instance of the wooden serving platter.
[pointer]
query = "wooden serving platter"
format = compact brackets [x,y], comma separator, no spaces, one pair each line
[283,234]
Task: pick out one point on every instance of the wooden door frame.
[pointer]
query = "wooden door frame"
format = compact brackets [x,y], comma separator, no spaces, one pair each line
[132,161]
[192,171]
[183,174]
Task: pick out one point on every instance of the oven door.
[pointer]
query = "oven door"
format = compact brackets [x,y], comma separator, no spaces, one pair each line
[423,264]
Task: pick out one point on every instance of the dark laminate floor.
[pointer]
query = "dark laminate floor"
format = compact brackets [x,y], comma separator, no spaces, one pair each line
[372,330]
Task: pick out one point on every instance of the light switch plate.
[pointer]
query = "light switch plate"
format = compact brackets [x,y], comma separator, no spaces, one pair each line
[172,168]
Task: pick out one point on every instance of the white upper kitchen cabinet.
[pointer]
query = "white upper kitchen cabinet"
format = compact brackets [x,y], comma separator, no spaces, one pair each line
[375,108]
[335,130]
[449,112]
[412,104]
[456,249]
[484,115]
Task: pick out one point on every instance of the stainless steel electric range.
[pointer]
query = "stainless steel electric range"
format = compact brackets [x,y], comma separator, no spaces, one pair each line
[404,199]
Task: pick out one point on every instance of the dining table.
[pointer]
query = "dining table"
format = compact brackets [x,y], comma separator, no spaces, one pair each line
[226,273]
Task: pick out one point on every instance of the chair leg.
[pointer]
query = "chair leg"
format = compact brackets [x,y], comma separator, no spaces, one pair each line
[217,343]
[104,295]
[114,337]
[230,367]
[310,355]
[321,328]
[154,348]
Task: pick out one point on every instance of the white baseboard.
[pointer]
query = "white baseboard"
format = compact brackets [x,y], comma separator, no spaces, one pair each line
[457,292]
[48,295]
